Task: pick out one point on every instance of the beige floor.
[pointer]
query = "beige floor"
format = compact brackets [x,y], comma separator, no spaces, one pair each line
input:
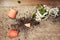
[46,30]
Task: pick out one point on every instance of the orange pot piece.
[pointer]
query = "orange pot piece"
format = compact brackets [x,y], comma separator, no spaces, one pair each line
[13,33]
[12,13]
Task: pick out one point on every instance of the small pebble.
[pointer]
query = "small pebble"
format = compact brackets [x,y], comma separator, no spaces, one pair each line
[25,37]
[19,1]
[27,24]
[8,28]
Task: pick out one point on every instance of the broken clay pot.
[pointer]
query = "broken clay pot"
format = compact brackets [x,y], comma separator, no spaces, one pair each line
[13,33]
[12,13]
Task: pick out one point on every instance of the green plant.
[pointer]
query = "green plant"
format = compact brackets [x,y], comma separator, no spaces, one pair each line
[42,11]
[34,15]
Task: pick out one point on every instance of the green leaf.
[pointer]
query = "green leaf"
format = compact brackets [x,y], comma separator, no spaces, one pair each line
[34,15]
[42,11]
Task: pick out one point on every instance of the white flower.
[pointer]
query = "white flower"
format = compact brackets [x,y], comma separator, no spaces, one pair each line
[49,11]
[47,8]
[39,16]
[54,12]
